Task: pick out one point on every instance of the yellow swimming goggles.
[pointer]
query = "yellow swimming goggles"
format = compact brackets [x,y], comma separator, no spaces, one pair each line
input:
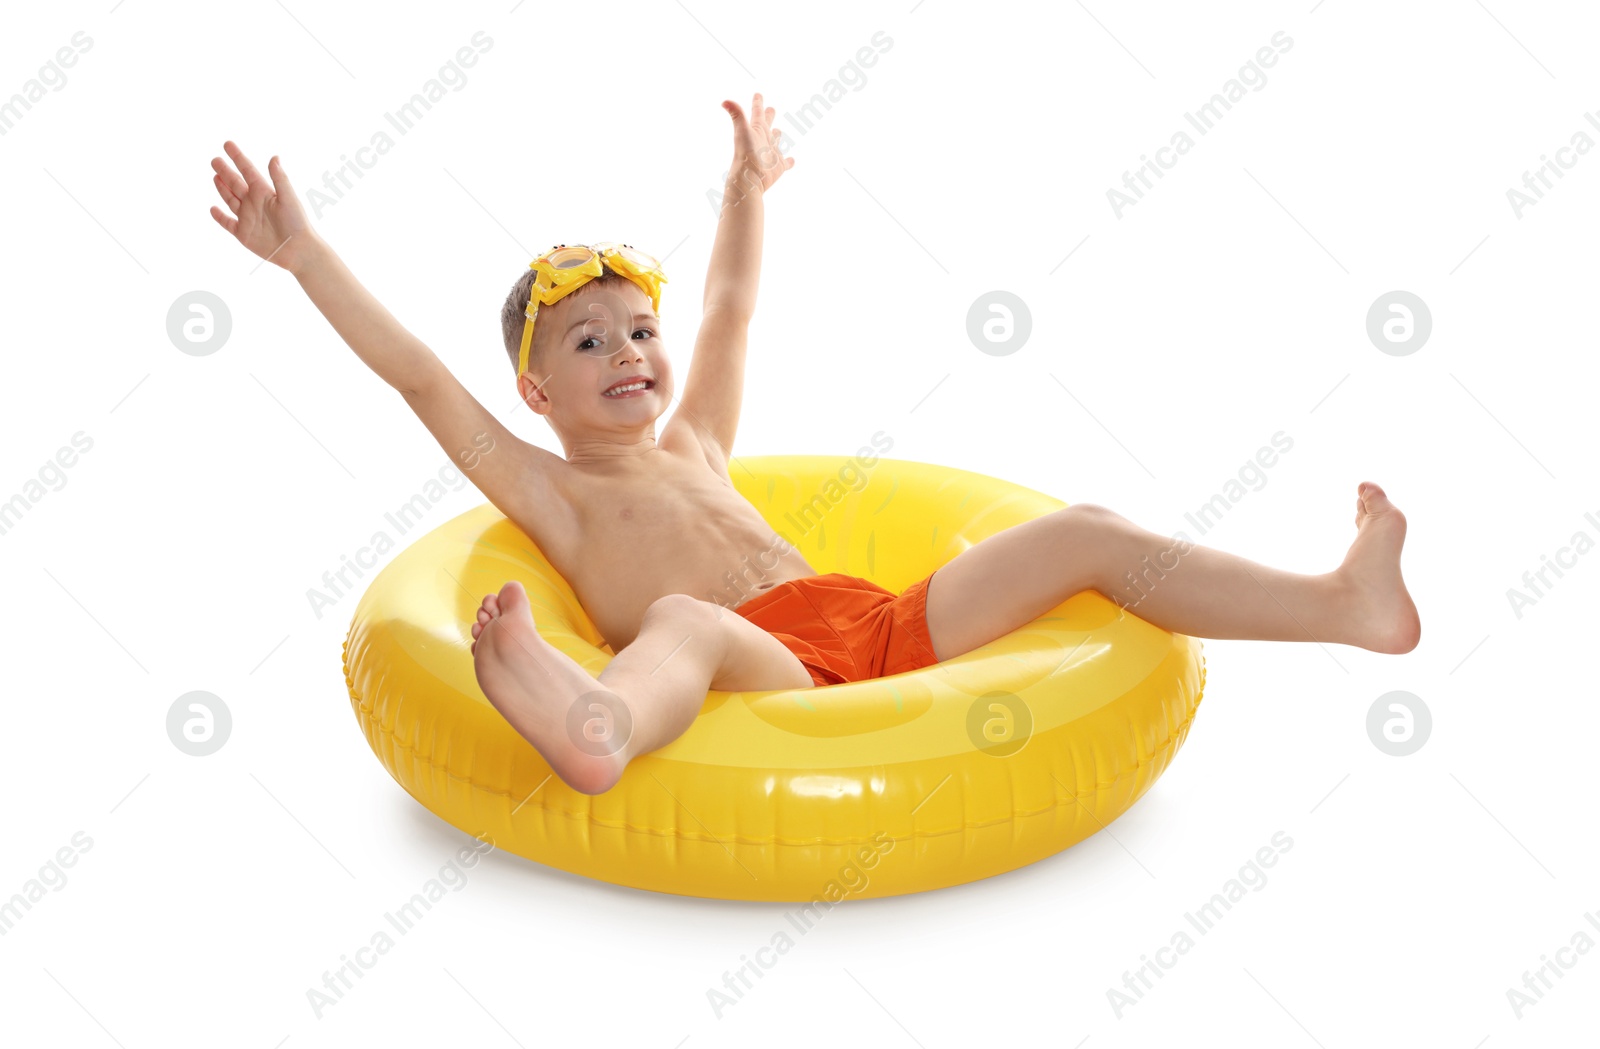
[567,267]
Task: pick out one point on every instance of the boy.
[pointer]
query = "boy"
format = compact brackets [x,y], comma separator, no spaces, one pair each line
[637,521]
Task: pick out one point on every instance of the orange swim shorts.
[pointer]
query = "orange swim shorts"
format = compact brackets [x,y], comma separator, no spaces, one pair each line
[845,628]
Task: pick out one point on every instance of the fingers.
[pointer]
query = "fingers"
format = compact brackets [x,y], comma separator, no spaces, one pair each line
[280,178]
[230,181]
[226,194]
[252,177]
[762,118]
[231,225]
[759,113]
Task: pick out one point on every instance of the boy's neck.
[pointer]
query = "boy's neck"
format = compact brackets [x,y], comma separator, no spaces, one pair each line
[607,450]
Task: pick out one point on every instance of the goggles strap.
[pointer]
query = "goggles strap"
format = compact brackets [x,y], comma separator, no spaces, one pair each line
[527,339]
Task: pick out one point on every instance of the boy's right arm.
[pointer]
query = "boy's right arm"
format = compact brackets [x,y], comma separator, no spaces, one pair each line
[510,472]
[267,219]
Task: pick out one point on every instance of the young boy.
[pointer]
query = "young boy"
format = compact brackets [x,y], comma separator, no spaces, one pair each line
[638,522]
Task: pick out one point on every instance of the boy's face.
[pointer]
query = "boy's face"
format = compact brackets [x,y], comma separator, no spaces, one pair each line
[593,339]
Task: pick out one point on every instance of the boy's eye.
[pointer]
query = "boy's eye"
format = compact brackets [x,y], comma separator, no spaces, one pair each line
[584,345]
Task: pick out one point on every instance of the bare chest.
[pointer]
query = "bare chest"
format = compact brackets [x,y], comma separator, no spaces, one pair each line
[664,526]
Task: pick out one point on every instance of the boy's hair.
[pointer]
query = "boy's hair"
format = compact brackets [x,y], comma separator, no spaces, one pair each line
[512,317]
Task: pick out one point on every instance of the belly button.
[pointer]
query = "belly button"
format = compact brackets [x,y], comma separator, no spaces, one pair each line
[626,513]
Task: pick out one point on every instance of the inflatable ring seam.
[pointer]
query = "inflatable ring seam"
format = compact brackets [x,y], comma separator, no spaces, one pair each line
[389,735]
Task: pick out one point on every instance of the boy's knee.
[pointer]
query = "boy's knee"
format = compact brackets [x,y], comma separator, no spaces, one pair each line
[1088,510]
[694,618]
[1089,515]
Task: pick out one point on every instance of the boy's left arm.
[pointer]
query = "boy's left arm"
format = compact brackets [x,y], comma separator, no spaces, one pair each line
[714,388]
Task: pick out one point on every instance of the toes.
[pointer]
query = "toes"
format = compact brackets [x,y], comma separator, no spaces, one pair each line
[513,600]
[1370,499]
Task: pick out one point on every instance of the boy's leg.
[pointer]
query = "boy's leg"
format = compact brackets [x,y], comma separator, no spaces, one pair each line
[647,696]
[1010,579]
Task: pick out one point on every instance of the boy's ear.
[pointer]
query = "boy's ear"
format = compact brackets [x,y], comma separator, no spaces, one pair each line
[530,387]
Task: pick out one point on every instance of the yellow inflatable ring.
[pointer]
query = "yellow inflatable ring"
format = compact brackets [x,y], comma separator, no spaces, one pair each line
[943,775]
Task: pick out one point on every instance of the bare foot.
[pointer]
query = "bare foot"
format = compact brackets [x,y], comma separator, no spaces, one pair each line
[1382,615]
[535,686]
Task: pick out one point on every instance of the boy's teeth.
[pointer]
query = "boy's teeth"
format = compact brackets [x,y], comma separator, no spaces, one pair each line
[625,389]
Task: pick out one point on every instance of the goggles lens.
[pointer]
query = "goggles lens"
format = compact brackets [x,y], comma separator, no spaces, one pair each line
[639,259]
[569,257]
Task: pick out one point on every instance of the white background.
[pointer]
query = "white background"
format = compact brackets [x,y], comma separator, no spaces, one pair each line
[1228,304]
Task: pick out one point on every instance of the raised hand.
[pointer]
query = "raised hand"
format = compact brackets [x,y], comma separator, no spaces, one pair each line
[755,143]
[267,218]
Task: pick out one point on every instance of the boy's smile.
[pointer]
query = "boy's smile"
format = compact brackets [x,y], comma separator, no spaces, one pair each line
[631,386]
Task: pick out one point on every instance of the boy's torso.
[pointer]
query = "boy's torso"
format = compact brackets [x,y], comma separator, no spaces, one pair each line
[663,523]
